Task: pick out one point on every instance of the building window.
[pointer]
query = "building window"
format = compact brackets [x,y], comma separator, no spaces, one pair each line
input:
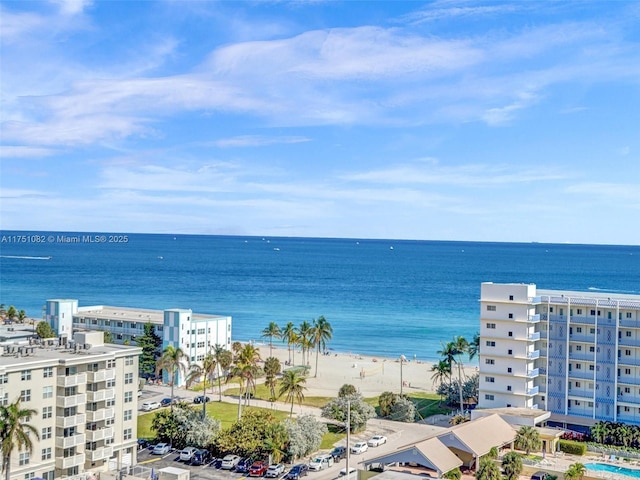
[128,361]
[576,402]
[510,334]
[627,390]
[628,333]
[127,415]
[628,315]
[489,361]
[490,343]
[46,433]
[111,383]
[25,375]
[128,397]
[490,379]
[110,421]
[29,476]
[46,453]
[111,402]
[4,401]
[509,369]
[4,378]
[511,315]
[47,412]
[577,384]
[579,348]
[491,325]
[47,372]
[49,475]
[111,363]
[491,397]
[508,388]
[579,311]
[25,395]
[127,434]
[128,378]
[627,352]
[491,308]
[627,371]
[510,297]
[23,458]
[592,349]
[47,392]
[510,352]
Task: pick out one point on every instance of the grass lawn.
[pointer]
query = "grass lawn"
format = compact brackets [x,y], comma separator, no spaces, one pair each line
[427,404]
[263,393]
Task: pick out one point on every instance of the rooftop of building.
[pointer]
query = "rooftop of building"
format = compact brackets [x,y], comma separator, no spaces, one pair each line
[129,314]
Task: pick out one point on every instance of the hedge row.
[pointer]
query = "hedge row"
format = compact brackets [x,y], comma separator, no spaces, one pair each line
[573,447]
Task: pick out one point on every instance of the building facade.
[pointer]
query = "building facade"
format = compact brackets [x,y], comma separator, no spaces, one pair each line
[196,334]
[85,397]
[575,354]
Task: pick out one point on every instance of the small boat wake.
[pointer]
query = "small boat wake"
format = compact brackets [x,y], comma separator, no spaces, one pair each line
[26,257]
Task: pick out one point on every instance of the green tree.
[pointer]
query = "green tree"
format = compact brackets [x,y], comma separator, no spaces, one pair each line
[292,386]
[107,336]
[461,348]
[454,474]
[360,411]
[321,333]
[474,347]
[174,362]
[271,332]
[528,439]
[305,435]
[44,330]
[576,471]
[151,345]
[224,359]
[290,335]
[347,390]
[246,371]
[22,315]
[202,372]
[512,465]
[276,441]
[304,340]
[403,410]
[385,402]
[167,427]
[247,435]
[441,372]
[271,370]
[12,313]
[15,432]
[488,470]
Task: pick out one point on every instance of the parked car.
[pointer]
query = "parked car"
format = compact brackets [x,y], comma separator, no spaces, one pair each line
[201,457]
[216,463]
[297,471]
[377,440]
[187,453]
[229,462]
[320,462]
[339,453]
[359,447]
[343,472]
[165,402]
[161,449]
[244,465]
[275,471]
[148,406]
[258,469]
[142,443]
[201,398]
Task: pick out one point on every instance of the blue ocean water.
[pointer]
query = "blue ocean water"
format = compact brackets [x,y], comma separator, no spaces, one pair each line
[382,297]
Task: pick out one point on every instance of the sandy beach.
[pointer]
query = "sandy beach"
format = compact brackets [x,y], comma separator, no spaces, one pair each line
[370,375]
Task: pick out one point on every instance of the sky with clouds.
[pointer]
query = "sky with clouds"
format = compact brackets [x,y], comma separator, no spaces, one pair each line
[447,120]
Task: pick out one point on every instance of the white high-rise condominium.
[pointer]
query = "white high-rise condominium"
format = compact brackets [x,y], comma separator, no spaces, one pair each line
[575,354]
[85,397]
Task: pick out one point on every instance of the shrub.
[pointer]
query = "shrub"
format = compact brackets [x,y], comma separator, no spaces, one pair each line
[573,447]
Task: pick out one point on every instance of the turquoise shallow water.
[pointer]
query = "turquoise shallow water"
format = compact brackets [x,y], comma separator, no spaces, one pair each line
[380,300]
[603,467]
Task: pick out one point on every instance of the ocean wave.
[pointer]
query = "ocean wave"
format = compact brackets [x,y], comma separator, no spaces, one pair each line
[26,257]
[611,290]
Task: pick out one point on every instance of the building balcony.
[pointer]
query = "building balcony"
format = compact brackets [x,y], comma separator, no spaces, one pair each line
[628,380]
[71,421]
[583,320]
[101,375]
[72,441]
[533,373]
[101,414]
[63,463]
[71,400]
[100,434]
[630,323]
[628,342]
[584,356]
[101,395]
[533,318]
[628,360]
[532,337]
[582,374]
[533,390]
[582,337]
[629,418]
[99,453]
[533,354]
[580,394]
[72,380]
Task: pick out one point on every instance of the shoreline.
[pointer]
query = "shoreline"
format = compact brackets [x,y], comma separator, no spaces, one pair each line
[371,375]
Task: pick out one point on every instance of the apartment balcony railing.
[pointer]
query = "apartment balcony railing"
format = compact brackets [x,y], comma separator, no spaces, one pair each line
[72,380]
[71,421]
[101,414]
[71,400]
[101,375]
[99,453]
[533,354]
[533,373]
[628,360]
[542,370]
[628,342]
[581,393]
[584,356]
[629,418]
[533,391]
[63,463]
[72,441]
[582,374]
[100,434]
[532,337]
[101,395]
[533,318]
[628,380]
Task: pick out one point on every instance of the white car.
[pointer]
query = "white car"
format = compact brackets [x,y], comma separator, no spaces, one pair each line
[275,471]
[187,454]
[148,406]
[359,447]
[320,462]
[377,440]
[230,462]
[161,449]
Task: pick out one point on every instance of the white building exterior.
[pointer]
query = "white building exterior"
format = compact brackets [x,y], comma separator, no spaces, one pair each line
[575,354]
[196,334]
[85,396]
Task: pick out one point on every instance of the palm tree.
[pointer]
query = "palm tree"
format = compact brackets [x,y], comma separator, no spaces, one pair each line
[204,371]
[304,339]
[271,369]
[576,471]
[224,359]
[175,362]
[512,465]
[15,432]
[488,470]
[271,332]
[321,334]
[455,474]
[11,313]
[461,347]
[527,439]
[289,335]
[474,347]
[441,372]
[246,370]
[275,442]
[292,384]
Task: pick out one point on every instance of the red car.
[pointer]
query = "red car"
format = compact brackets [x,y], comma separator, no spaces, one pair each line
[258,469]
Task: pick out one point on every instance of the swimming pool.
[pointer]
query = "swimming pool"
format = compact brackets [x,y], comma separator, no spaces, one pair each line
[604,467]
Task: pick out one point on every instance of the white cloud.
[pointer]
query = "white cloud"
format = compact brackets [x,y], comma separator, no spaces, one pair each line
[72,7]
[19,151]
[257,141]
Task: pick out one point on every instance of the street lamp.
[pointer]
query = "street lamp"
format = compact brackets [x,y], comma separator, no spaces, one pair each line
[402,360]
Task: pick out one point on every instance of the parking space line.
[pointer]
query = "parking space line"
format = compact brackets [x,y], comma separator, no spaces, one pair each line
[151,460]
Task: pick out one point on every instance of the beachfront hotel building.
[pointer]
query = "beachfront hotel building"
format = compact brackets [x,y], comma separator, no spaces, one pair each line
[84,393]
[196,334]
[574,354]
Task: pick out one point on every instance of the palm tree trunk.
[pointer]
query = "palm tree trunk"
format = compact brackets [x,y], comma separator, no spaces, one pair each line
[173,381]
[220,382]
[7,467]
[271,346]
[317,354]
[460,387]
[204,399]
[290,414]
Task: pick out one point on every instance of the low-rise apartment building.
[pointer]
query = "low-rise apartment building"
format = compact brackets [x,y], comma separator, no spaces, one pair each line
[196,334]
[575,354]
[85,397]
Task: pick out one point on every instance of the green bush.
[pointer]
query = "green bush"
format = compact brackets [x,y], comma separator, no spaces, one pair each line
[573,447]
